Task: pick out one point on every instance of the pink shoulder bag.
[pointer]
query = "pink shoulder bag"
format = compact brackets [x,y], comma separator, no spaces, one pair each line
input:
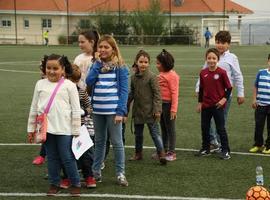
[40,134]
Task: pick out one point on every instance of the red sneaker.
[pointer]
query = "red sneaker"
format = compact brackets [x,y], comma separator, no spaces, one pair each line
[65,183]
[39,160]
[90,182]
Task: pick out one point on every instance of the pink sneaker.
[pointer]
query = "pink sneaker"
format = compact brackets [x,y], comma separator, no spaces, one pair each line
[39,160]
[170,156]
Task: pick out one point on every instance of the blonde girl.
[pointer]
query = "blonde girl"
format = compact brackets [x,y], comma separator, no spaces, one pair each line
[108,78]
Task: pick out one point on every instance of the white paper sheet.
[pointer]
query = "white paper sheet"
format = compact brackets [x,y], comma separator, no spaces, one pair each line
[81,143]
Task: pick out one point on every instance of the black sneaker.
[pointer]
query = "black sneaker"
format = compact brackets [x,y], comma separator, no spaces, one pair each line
[225,155]
[203,152]
[214,148]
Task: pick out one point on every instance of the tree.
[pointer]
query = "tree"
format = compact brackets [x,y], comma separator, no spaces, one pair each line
[181,34]
[149,22]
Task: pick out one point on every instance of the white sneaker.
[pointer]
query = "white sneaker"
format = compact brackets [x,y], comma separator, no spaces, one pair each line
[121,180]
[102,165]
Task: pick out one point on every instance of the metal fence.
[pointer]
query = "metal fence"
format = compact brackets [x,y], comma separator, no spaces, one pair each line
[249,32]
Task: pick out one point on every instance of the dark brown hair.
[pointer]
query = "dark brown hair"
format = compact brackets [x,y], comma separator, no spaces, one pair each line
[63,61]
[91,35]
[166,59]
[223,37]
[212,50]
[142,53]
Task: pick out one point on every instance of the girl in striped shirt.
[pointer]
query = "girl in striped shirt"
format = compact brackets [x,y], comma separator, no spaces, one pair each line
[108,78]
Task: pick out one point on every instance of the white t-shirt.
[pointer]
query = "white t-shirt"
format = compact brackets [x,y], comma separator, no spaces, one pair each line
[84,62]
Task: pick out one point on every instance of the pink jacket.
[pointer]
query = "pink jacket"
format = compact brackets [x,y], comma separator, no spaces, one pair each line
[169,88]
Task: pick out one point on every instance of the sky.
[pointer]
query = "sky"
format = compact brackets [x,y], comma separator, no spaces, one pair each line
[259,7]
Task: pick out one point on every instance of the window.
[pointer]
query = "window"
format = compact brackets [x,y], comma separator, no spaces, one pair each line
[84,23]
[46,23]
[26,23]
[6,23]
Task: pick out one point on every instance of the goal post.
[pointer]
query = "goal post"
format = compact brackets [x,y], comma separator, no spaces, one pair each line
[214,25]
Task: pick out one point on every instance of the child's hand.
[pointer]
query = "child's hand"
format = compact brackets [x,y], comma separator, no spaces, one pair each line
[97,56]
[199,108]
[254,104]
[118,119]
[173,115]
[221,103]
[125,119]
[30,137]
[240,100]
[156,115]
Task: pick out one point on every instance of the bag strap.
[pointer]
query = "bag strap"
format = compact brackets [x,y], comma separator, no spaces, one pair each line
[53,95]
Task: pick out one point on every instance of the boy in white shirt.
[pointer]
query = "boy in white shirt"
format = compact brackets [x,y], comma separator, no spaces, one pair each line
[229,62]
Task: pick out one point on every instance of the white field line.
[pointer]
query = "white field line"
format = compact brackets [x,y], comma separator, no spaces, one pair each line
[118,196]
[146,147]
[18,62]
[19,71]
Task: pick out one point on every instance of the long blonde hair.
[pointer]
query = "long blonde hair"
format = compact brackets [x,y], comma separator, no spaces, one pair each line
[116,56]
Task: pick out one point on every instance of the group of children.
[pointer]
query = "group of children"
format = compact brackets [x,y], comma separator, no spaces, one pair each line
[101,71]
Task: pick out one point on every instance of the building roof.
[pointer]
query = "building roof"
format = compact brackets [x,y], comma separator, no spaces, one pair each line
[90,6]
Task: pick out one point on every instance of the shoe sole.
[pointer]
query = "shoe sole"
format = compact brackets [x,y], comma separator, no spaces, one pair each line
[122,184]
[91,186]
[217,150]
[64,187]
[170,160]
[38,163]
[226,158]
[54,194]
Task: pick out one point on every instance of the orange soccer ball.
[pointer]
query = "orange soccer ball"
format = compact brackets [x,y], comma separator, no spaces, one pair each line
[257,193]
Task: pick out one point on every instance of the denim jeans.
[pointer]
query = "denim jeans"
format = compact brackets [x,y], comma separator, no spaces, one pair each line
[167,128]
[214,137]
[262,114]
[218,114]
[108,143]
[154,132]
[104,124]
[84,163]
[58,149]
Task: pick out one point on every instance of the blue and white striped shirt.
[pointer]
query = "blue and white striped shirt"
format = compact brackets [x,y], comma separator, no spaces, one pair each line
[105,96]
[262,83]
[110,90]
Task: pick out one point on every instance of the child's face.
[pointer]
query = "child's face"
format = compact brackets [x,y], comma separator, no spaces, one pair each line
[268,62]
[211,60]
[105,51]
[54,71]
[159,66]
[143,63]
[221,46]
[85,45]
